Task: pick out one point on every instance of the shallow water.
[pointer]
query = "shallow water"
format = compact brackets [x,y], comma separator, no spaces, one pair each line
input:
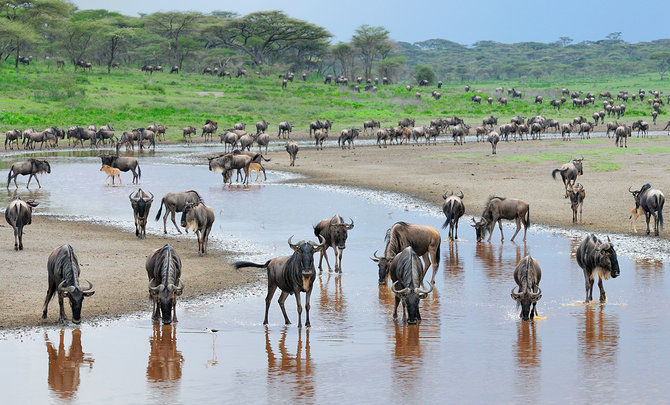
[470,346]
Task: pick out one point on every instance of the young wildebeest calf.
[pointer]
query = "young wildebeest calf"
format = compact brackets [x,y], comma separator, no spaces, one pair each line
[334,232]
[406,276]
[199,218]
[111,173]
[497,209]
[453,209]
[141,203]
[576,195]
[597,259]
[569,173]
[292,274]
[527,275]
[18,214]
[63,270]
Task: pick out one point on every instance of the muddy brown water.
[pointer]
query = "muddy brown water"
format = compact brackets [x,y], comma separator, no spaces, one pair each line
[471,345]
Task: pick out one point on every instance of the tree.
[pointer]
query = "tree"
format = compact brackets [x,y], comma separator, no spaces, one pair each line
[423,72]
[77,38]
[370,41]
[344,53]
[663,59]
[391,66]
[565,41]
[264,33]
[175,27]
[114,40]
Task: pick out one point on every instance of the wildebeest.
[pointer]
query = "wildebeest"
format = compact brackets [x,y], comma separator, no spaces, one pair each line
[229,138]
[622,133]
[141,204]
[245,141]
[261,126]
[651,201]
[175,202]
[406,278]
[497,209]
[347,136]
[30,167]
[641,126]
[424,239]
[527,275]
[80,135]
[231,161]
[124,164]
[199,218]
[611,126]
[334,232]
[285,129]
[190,131]
[209,129]
[453,208]
[370,124]
[576,194]
[63,272]
[18,214]
[263,140]
[569,173]
[12,135]
[597,259]
[292,274]
[112,173]
[493,139]
[165,285]
[292,149]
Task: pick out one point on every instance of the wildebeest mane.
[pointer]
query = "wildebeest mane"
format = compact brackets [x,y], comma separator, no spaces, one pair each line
[393,245]
[196,193]
[487,212]
[70,266]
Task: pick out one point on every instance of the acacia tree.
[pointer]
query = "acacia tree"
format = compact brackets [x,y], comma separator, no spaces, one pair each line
[175,27]
[344,53]
[77,38]
[371,43]
[265,33]
[663,59]
[115,40]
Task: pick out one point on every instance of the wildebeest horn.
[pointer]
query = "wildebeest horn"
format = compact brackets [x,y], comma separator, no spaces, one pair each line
[130,196]
[180,287]
[632,192]
[152,196]
[444,196]
[462,195]
[375,255]
[401,292]
[537,295]
[422,291]
[65,289]
[90,286]
[152,288]
[294,247]
[351,225]
[515,295]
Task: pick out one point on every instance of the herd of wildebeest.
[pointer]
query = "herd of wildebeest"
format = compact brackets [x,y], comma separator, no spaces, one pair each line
[405,243]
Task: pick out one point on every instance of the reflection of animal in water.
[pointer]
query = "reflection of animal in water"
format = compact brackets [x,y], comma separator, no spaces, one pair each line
[599,340]
[111,172]
[165,361]
[291,367]
[527,349]
[64,365]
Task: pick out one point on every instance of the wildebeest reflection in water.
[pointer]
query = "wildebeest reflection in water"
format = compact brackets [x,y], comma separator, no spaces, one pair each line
[332,302]
[492,261]
[598,340]
[528,354]
[290,375]
[165,361]
[64,376]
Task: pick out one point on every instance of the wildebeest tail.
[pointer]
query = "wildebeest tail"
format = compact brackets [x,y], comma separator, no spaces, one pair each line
[553,174]
[19,219]
[9,175]
[660,201]
[241,264]
[437,256]
[448,212]
[528,217]
[139,172]
[158,215]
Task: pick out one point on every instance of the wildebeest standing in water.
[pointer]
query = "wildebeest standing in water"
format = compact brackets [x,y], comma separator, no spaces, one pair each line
[292,149]
[497,209]
[569,173]
[651,201]
[334,232]
[453,209]
[31,167]
[199,218]
[407,276]
[292,274]
[18,214]
[597,259]
[63,271]
[175,202]
[527,275]
[141,203]
[165,285]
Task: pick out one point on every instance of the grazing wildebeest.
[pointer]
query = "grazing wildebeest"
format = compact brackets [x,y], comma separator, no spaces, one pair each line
[292,149]
[30,167]
[569,173]
[175,69]
[285,129]
[406,278]
[493,139]
[490,121]
[334,232]
[496,210]
[576,194]
[347,136]
[63,272]
[651,201]
[232,161]
[261,126]
[141,204]
[292,274]
[18,214]
[556,104]
[175,202]
[124,164]
[453,208]
[12,135]
[370,124]
[199,218]
[597,259]
[527,275]
[424,239]
[165,285]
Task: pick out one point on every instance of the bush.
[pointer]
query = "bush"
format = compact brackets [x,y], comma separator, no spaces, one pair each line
[423,72]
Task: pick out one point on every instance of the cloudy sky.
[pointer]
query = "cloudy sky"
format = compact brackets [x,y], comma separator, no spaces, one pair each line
[460,21]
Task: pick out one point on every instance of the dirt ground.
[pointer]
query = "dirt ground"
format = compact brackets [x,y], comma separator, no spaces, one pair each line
[113,261]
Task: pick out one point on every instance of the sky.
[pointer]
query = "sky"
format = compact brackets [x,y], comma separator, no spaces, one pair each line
[465,22]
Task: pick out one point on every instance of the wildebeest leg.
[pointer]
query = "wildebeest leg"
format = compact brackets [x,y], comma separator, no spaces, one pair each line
[435,260]
[647,217]
[174,310]
[272,287]
[395,307]
[589,287]
[518,228]
[29,178]
[307,307]
[603,297]
[533,313]
[172,213]
[324,253]
[50,294]
[135,181]
[338,260]
[502,237]
[198,235]
[281,300]
[299,304]
[61,317]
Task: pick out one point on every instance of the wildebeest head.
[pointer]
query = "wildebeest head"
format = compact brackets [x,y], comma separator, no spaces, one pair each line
[40,166]
[305,251]
[481,228]
[578,164]
[607,259]
[383,266]
[76,296]
[526,299]
[188,208]
[338,232]
[410,277]
[412,297]
[166,298]
[636,194]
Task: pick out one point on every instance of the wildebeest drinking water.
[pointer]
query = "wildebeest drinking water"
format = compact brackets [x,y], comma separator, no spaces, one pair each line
[527,275]
[497,209]
[141,203]
[334,231]
[651,201]
[30,167]
[199,218]
[406,277]
[165,285]
[597,259]
[63,271]
[175,202]
[292,274]
[18,214]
